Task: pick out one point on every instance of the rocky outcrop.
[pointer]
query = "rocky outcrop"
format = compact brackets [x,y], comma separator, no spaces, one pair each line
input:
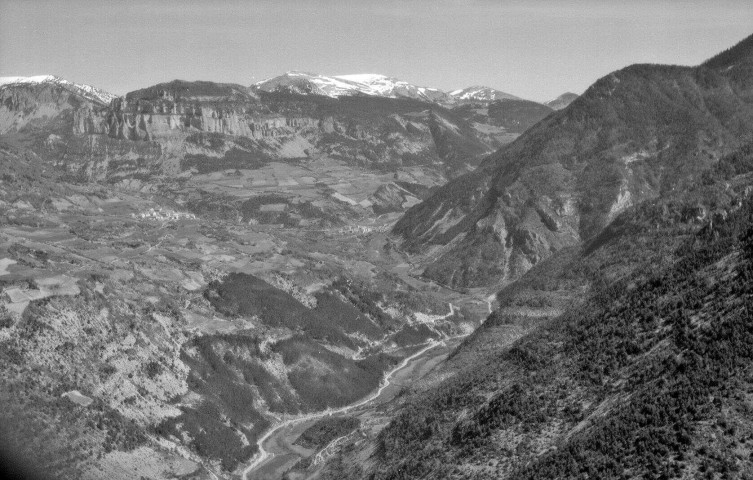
[139,122]
[366,131]
[24,103]
[168,123]
[392,197]
[209,119]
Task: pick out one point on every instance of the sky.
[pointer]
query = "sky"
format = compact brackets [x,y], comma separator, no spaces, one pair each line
[535,49]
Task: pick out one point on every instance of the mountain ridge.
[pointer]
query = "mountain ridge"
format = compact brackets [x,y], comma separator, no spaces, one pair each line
[88,91]
[375,85]
[566,177]
[618,359]
[562,101]
[481,93]
[307,83]
[625,354]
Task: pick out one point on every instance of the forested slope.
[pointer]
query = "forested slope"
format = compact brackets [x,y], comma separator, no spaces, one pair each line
[645,376]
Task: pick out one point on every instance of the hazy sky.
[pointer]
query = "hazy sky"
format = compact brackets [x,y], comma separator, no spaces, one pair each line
[534,49]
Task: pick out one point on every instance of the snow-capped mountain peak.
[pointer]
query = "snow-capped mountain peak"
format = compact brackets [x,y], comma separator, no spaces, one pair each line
[367,78]
[29,80]
[376,85]
[86,91]
[382,85]
[343,85]
[481,93]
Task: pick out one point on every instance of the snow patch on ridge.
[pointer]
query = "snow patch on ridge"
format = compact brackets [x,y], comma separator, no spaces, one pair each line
[370,84]
[377,85]
[481,93]
[34,79]
[87,91]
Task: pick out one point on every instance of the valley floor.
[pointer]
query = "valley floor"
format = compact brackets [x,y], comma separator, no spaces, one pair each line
[123,300]
[282,455]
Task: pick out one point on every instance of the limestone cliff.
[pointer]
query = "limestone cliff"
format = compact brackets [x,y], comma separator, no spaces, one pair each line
[148,122]
[23,104]
[208,119]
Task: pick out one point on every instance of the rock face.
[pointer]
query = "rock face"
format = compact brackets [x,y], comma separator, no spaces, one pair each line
[179,119]
[167,109]
[24,102]
[378,122]
[372,131]
[633,135]
[149,121]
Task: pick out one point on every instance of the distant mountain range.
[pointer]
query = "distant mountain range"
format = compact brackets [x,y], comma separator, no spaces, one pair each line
[429,125]
[304,83]
[337,86]
[376,85]
[497,117]
[480,93]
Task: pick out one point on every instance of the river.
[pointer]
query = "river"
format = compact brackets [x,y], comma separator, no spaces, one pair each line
[276,450]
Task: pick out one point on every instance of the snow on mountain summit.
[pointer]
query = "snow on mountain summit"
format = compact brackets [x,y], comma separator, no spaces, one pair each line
[34,79]
[357,84]
[376,85]
[366,78]
[86,91]
[384,86]
[308,83]
[481,93]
